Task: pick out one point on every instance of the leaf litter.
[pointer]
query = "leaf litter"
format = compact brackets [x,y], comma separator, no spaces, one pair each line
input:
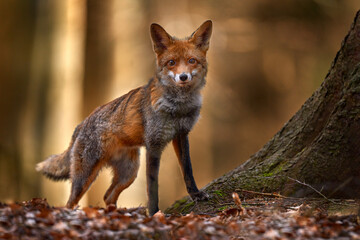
[258,218]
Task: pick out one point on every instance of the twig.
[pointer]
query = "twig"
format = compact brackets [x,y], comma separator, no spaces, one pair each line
[244,203]
[314,189]
[305,184]
[263,194]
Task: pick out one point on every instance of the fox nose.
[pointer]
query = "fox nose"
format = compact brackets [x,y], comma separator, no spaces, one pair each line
[183,77]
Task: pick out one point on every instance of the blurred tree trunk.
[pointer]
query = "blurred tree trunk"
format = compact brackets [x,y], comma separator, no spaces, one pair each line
[33,118]
[55,88]
[99,48]
[319,145]
[15,51]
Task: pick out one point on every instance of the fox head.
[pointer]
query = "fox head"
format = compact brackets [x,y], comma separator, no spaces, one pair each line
[181,63]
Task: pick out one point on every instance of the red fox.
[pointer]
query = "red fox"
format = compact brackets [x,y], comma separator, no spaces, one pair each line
[164,110]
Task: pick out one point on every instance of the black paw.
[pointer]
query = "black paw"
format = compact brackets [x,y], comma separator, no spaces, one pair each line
[153,210]
[199,196]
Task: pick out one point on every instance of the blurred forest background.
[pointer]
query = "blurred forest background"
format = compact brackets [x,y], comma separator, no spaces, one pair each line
[60,59]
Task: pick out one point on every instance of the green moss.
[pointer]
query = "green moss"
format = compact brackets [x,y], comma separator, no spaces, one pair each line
[223,208]
[187,207]
[177,205]
[181,206]
[268,174]
[184,200]
[274,168]
[219,193]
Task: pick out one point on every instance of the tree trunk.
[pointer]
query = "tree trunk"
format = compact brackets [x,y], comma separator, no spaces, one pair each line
[319,145]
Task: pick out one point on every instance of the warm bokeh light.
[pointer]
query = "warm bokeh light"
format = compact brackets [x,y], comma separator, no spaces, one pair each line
[61,59]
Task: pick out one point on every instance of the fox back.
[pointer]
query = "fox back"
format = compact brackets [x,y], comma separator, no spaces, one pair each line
[164,110]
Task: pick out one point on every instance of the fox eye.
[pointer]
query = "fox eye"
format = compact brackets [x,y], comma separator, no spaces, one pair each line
[171,63]
[192,60]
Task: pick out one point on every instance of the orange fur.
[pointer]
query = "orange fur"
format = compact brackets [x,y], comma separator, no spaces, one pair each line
[152,115]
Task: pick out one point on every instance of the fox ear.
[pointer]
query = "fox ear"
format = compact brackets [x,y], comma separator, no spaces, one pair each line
[161,39]
[201,37]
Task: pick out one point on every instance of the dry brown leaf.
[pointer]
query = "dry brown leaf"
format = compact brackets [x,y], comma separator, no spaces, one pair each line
[91,212]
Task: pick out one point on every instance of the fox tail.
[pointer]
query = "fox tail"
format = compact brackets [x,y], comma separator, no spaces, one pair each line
[56,167]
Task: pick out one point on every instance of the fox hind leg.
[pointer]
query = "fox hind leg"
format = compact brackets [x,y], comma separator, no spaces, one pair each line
[83,171]
[125,168]
[80,184]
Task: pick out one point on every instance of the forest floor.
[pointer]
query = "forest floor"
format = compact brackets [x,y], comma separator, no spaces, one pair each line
[261,217]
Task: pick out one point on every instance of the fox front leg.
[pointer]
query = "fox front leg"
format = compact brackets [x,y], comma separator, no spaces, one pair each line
[152,175]
[181,146]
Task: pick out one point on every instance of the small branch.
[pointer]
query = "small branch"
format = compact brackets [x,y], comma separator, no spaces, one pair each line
[314,189]
[244,203]
[297,181]
[263,194]
[305,184]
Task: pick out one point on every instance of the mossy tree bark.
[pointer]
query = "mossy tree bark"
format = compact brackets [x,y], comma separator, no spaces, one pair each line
[319,145]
